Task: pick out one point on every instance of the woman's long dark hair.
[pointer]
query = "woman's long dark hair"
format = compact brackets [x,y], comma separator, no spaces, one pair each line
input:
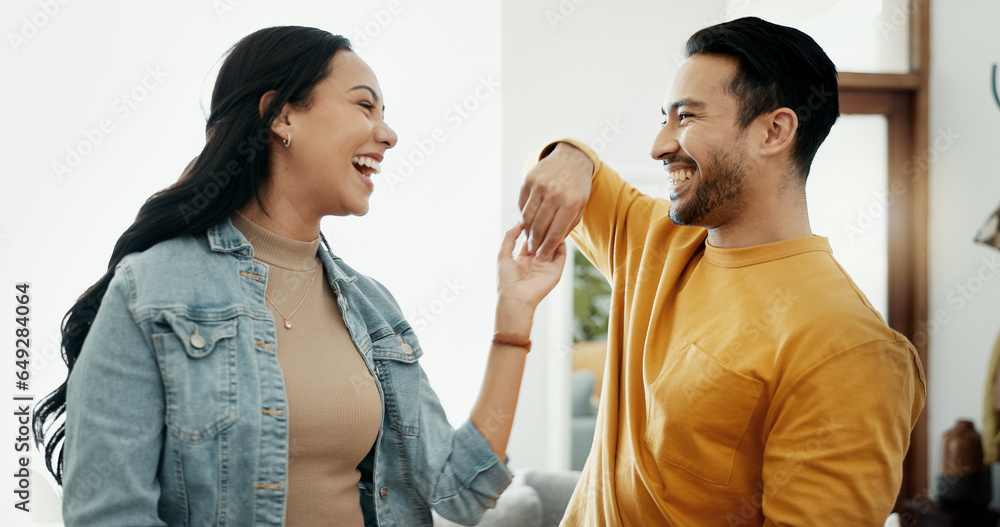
[227,174]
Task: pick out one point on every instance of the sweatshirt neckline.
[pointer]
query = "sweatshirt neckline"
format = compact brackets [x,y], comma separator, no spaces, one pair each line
[758,254]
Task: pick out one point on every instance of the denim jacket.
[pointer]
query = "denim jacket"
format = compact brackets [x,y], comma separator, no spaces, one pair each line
[176,408]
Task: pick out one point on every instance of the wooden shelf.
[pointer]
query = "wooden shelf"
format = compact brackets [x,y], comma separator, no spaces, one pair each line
[879,81]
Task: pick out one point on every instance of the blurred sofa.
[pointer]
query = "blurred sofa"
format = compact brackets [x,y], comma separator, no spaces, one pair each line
[537,498]
[534,498]
[584,417]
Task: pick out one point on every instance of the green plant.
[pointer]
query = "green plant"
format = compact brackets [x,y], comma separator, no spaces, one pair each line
[591,301]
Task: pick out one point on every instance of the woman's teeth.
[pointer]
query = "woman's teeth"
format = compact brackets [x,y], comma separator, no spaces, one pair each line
[680,175]
[366,165]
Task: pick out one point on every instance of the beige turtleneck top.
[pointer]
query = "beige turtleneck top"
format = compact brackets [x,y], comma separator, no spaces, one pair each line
[334,409]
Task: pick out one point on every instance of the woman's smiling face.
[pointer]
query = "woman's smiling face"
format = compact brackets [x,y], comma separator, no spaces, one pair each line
[336,142]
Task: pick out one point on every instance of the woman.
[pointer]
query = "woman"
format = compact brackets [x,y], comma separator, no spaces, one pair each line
[228,371]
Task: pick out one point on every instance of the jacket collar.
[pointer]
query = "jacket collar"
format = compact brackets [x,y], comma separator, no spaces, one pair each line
[226,238]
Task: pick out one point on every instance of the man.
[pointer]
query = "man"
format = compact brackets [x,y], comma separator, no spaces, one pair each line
[748,380]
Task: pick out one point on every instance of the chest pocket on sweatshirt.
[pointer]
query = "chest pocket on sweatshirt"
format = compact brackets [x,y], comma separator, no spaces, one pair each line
[401,377]
[198,364]
[697,412]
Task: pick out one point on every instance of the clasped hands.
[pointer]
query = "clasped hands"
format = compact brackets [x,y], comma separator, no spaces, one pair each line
[552,201]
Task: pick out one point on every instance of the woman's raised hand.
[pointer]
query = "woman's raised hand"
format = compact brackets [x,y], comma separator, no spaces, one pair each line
[526,279]
[522,282]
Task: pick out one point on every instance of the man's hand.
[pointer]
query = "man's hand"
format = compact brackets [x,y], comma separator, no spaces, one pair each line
[553,197]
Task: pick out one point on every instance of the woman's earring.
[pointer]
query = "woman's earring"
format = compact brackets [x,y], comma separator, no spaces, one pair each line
[287,141]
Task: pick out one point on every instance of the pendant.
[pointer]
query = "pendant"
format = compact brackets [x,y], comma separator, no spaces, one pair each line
[288,325]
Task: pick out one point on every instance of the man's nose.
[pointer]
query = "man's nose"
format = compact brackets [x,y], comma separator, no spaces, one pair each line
[665,143]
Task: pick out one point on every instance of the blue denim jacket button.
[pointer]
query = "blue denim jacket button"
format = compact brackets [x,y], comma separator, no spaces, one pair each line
[197,341]
[406,349]
[383,492]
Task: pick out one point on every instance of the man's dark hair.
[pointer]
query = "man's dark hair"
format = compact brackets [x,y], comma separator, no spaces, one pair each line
[779,67]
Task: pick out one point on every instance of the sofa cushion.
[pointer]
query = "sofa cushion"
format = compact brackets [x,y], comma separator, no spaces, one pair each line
[554,488]
[581,388]
[518,506]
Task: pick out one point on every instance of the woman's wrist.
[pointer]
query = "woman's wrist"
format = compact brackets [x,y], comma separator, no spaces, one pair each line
[514,316]
[512,340]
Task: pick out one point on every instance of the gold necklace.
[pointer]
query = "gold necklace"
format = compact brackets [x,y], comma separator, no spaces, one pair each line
[287,319]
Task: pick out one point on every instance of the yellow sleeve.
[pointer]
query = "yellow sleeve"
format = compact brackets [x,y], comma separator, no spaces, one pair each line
[836,446]
[601,234]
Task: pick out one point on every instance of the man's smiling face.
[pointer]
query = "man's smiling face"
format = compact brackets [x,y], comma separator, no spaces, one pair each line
[701,144]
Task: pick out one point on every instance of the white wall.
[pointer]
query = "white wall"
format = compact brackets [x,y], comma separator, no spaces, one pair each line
[964,190]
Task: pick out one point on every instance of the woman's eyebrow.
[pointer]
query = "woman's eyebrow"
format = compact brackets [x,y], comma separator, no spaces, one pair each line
[370,90]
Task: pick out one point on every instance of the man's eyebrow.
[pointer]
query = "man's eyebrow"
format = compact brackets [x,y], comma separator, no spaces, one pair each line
[690,103]
[370,90]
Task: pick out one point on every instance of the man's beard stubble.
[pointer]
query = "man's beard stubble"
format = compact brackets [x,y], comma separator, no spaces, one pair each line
[718,195]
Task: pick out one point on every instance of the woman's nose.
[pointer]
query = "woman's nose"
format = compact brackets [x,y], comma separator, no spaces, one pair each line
[385,135]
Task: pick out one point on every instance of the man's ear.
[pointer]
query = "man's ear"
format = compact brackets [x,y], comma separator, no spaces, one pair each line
[779,131]
[280,122]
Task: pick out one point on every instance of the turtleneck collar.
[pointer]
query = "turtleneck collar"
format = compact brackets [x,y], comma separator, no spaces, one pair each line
[274,249]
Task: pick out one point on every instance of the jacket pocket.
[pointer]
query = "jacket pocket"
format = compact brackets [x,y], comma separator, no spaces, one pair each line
[197,360]
[697,412]
[399,373]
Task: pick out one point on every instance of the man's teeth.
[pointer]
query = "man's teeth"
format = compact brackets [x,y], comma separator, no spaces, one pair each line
[680,175]
[365,161]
